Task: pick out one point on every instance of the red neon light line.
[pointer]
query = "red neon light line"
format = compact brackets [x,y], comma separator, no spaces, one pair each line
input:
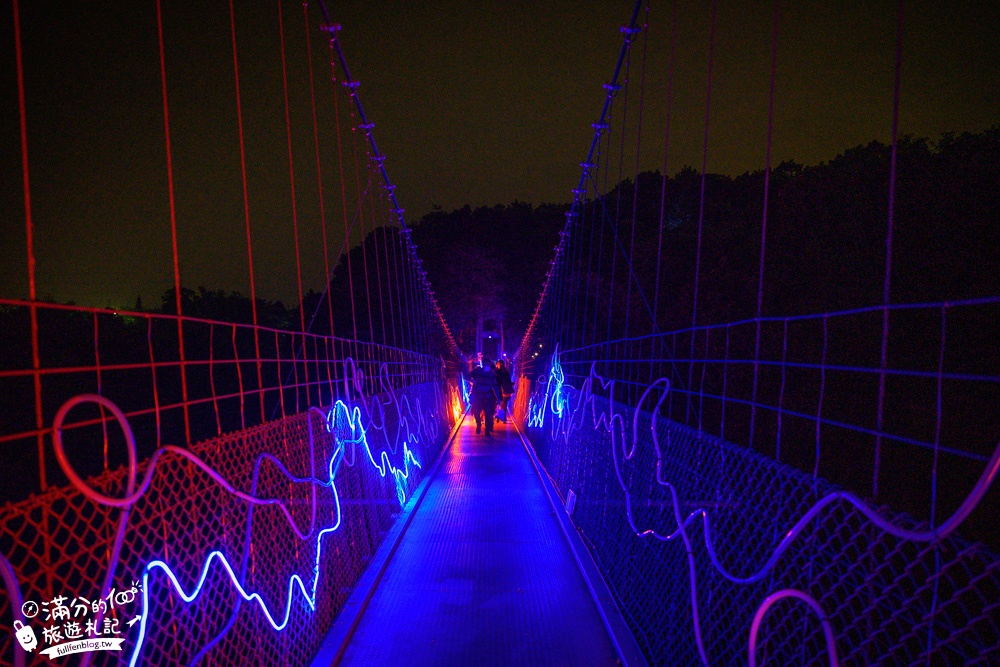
[202,320]
[295,213]
[156,391]
[239,377]
[295,372]
[155,411]
[328,348]
[319,168]
[361,224]
[29,225]
[319,370]
[246,202]
[393,268]
[77,370]
[29,229]
[173,220]
[343,198]
[402,300]
[410,294]
[281,387]
[211,377]
[378,267]
[97,369]
[291,164]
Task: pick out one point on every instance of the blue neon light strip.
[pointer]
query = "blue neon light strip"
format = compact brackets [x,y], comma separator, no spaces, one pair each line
[466,390]
[345,424]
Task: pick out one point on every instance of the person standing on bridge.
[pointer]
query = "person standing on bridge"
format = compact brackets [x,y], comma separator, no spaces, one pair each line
[506,389]
[485,394]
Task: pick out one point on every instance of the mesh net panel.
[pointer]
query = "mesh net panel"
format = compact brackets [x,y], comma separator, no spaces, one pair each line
[888,600]
[58,542]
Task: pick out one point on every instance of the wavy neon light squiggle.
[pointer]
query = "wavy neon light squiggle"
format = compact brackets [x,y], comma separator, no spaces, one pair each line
[295,581]
[466,390]
[341,414]
[553,398]
[335,422]
[351,421]
[347,426]
[566,421]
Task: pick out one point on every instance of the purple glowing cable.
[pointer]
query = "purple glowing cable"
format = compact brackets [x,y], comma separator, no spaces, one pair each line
[553,401]
[770,600]
[887,278]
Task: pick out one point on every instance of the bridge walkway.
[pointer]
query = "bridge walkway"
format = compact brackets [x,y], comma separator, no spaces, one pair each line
[483,574]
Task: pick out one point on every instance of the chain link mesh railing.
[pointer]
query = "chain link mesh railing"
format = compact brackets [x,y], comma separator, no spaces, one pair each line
[715,548]
[339,474]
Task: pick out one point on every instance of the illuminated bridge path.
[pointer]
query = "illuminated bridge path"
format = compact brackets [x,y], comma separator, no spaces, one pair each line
[483,574]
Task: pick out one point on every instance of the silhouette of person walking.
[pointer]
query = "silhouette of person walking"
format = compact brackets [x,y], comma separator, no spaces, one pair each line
[485,394]
[506,389]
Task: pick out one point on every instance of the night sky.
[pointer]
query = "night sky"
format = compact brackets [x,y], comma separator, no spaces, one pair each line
[474,103]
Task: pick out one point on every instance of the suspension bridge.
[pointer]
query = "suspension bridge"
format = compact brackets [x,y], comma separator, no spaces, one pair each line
[695,469]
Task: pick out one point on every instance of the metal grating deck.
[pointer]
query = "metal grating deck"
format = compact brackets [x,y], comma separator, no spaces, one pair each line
[483,575]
